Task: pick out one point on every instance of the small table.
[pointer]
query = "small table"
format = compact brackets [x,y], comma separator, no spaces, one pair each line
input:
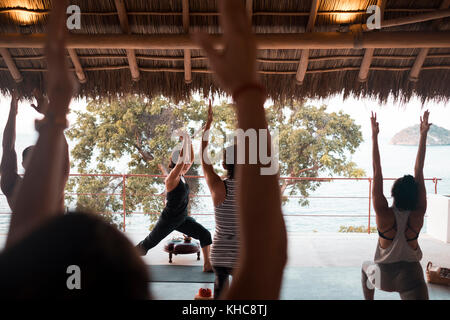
[186,246]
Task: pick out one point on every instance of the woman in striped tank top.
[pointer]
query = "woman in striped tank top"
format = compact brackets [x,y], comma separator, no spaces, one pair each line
[224,252]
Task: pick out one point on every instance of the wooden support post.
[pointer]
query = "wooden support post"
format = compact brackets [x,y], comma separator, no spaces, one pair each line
[304,59]
[417,66]
[365,65]
[15,73]
[423,53]
[187,52]
[302,66]
[368,54]
[125,26]
[313,15]
[77,65]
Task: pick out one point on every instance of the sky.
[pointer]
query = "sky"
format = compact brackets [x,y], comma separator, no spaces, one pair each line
[392,116]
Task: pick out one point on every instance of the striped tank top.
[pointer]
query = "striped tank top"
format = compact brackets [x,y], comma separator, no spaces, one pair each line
[225,247]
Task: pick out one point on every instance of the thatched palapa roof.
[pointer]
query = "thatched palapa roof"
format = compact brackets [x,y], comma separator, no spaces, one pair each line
[307,48]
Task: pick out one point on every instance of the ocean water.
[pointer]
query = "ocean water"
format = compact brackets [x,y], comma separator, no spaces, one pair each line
[323,214]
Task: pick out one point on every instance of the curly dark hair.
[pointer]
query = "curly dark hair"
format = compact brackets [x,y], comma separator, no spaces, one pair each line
[405,193]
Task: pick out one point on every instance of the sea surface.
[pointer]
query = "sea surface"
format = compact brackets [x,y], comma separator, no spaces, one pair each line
[323,214]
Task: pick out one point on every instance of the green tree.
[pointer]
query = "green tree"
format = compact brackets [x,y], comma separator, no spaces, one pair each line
[138,131]
[313,141]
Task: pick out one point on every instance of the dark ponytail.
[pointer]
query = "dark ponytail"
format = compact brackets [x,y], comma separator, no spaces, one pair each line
[229,160]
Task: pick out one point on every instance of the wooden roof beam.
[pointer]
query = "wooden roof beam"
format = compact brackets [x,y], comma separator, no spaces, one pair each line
[368,54]
[15,73]
[125,26]
[187,52]
[428,16]
[78,67]
[304,59]
[181,70]
[423,53]
[287,41]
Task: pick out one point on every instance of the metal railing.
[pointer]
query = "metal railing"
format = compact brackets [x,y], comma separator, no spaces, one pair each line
[123,194]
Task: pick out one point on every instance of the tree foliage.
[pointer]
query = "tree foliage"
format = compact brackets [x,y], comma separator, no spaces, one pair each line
[313,142]
[137,132]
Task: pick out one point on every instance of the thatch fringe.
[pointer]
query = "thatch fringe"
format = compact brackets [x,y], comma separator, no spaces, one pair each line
[329,72]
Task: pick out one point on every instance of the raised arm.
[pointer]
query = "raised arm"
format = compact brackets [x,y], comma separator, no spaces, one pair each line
[261,267]
[8,166]
[420,160]
[38,198]
[215,183]
[379,200]
[182,165]
[41,106]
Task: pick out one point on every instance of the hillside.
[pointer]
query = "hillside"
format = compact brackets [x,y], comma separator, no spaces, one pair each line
[437,136]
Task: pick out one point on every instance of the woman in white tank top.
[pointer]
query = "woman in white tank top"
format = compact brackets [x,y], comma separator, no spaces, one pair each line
[396,267]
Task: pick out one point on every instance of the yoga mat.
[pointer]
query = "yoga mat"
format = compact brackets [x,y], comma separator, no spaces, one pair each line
[183,274]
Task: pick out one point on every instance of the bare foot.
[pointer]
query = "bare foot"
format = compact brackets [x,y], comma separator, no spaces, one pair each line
[207,267]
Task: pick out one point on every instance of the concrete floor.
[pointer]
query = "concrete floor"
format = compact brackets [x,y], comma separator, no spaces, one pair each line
[320,267]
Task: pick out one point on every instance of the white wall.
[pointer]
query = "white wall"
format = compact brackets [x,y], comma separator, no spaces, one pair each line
[438,221]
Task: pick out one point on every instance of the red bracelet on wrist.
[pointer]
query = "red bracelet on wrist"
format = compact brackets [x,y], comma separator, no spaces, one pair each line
[250,86]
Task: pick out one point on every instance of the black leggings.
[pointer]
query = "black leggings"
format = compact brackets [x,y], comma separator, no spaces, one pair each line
[222,280]
[183,224]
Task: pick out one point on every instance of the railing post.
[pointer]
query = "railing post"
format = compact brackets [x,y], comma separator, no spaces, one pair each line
[124,190]
[370,202]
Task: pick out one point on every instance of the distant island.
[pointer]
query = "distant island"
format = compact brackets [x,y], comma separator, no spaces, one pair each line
[437,136]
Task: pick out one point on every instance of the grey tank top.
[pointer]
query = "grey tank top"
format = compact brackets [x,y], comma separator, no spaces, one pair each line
[399,250]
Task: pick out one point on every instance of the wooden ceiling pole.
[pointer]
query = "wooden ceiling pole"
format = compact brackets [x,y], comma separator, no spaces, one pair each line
[131,54]
[436,15]
[267,41]
[304,58]
[15,73]
[428,16]
[78,67]
[368,54]
[249,9]
[423,53]
[187,52]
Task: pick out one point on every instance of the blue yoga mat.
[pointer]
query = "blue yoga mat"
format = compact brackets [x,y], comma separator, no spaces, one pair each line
[183,274]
